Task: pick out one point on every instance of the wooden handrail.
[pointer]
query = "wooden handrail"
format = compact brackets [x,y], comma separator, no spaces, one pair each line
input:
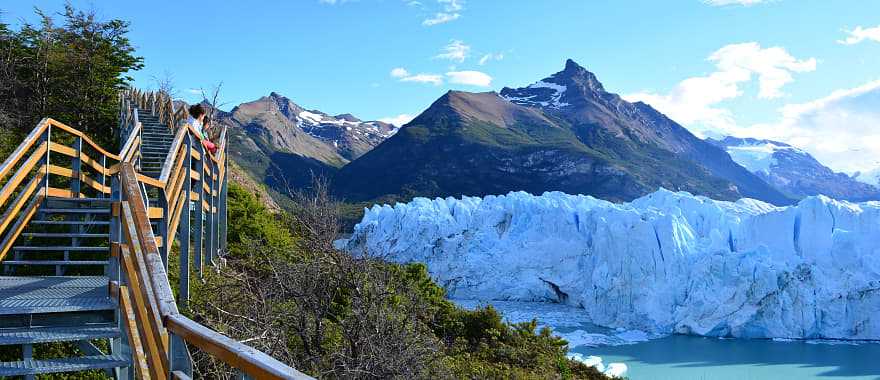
[85,138]
[23,147]
[137,227]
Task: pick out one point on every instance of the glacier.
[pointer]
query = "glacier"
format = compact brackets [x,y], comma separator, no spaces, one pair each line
[668,262]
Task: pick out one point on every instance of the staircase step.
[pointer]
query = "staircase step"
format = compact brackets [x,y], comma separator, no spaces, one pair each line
[90,210]
[71,222]
[64,235]
[83,200]
[84,363]
[18,336]
[55,305]
[61,248]
[54,294]
[54,262]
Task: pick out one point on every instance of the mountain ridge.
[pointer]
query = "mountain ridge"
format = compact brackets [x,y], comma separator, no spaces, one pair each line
[564,133]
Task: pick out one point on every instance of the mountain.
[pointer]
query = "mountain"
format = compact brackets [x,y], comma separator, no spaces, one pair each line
[793,171]
[871,177]
[282,143]
[562,133]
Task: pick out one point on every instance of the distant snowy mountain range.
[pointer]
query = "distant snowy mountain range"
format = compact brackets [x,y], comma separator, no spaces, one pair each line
[795,172]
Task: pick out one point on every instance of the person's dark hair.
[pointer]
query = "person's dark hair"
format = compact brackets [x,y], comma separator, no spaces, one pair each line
[196,110]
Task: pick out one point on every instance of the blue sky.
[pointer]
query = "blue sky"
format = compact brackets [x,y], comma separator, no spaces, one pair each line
[803,71]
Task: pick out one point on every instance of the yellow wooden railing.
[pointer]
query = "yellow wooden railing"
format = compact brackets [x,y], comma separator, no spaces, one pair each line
[54,160]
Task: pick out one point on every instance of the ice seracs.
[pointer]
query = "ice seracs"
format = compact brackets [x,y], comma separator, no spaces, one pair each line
[664,263]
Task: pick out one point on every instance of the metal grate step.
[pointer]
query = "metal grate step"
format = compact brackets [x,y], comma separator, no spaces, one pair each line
[84,363]
[64,235]
[55,262]
[61,248]
[75,210]
[56,334]
[71,222]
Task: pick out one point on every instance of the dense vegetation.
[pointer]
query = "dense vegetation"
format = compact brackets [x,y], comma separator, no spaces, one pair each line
[285,290]
[70,70]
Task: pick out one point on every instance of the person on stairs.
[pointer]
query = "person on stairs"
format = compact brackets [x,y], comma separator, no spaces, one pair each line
[197,121]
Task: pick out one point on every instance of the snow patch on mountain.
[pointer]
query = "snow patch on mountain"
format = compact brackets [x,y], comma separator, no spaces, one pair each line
[664,263]
[541,98]
[758,156]
[871,177]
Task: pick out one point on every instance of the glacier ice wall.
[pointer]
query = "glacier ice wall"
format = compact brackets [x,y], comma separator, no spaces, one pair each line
[665,263]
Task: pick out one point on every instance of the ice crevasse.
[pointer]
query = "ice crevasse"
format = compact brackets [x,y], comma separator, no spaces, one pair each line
[664,263]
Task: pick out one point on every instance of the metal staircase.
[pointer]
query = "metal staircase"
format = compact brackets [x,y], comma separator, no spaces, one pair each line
[157,140]
[84,245]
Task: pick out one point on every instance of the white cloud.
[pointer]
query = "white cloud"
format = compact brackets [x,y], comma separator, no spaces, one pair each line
[471,78]
[194,91]
[451,9]
[424,78]
[399,72]
[399,120]
[693,102]
[491,56]
[840,130]
[860,34]
[456,51]
[452,5]
[733,2]
[440,18]
[405,76]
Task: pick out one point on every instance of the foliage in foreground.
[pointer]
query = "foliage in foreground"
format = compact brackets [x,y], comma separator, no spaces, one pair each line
[285,290]
[70,70]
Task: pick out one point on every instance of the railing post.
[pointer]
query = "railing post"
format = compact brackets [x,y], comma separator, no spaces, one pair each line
[163,226]
[224,190]
[119,345]
[183,231]
[212,214]
[200,210]
[77,168]
[179,356]
[48,140]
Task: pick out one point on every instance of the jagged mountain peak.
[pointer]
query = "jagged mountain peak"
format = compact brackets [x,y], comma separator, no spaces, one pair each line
[577,74]
[573,86]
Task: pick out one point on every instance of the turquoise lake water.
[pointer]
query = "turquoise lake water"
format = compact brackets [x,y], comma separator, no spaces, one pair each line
[687,357]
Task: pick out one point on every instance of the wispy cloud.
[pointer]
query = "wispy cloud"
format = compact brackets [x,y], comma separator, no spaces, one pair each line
[694,102]
[470,78]
[440,18]
[424,78]
[860,34]
[450,12]
[404,75]
[399,120]
[489,57]
[194,91]
[456,51]
[719,3]
[399,72]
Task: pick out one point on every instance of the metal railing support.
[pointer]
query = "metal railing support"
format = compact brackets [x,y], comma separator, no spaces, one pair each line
[183,232]
[200,210]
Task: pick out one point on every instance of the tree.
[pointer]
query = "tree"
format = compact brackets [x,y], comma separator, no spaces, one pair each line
[71,72]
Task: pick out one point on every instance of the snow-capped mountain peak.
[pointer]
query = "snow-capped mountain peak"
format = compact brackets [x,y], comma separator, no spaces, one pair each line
[871,177]
[794,171]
